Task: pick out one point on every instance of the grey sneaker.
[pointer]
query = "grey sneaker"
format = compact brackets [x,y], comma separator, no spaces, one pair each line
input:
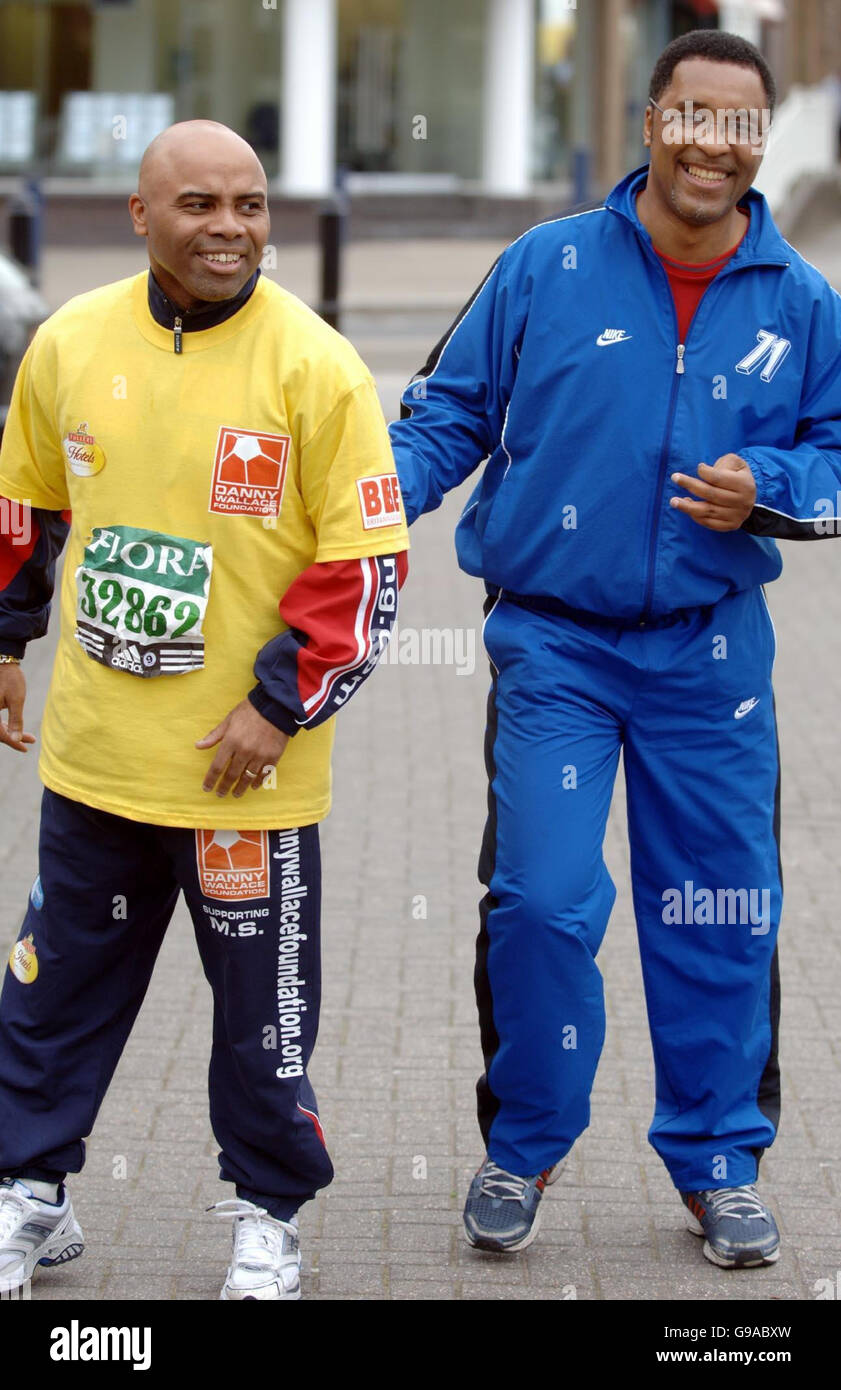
[502,1210]
[740,1230]
[33,1233]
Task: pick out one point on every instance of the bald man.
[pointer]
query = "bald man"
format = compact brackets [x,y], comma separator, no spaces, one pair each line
[219,460]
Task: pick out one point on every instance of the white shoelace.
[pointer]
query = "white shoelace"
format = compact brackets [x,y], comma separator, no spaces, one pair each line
[497,1183]
[726,1201]
[258,1244]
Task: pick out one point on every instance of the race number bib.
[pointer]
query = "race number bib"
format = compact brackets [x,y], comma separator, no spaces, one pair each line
[141,600]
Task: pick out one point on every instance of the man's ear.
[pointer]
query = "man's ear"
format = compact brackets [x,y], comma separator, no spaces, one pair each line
[646,126]
[137,212]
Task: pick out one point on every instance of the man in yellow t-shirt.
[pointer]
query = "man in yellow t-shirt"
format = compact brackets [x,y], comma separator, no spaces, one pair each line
[218,457]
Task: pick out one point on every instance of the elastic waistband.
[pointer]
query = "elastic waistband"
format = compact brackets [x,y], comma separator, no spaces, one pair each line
[557,608]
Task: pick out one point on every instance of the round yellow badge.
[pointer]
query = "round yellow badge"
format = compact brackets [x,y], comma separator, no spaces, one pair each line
[23,960]
[84,456]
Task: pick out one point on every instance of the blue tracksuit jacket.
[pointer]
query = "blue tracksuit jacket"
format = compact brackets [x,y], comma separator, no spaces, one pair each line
[565,372]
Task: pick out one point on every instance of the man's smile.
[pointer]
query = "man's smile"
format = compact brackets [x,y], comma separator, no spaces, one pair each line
[702,176]
[226,259]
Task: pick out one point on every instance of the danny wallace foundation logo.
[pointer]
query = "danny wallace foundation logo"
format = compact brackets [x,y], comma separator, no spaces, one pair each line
[23,961]
[717,907]
[249,472]
[233,864]
[291,1003]
[82,1343]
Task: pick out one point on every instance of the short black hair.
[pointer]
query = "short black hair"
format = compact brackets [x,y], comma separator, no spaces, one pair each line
[720,47]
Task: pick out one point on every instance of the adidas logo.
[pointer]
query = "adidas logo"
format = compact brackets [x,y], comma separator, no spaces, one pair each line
[127,658]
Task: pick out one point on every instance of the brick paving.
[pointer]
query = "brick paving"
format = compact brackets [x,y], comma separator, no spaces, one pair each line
[398,1051]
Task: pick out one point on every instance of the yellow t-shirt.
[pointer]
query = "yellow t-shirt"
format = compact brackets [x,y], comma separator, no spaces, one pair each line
[201,485]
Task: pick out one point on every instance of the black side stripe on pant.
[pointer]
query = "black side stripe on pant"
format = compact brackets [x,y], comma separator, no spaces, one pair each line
[488,1104]
[768,1095]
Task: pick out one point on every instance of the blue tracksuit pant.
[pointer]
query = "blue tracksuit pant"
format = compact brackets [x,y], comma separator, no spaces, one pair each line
[96,919]
[689,700]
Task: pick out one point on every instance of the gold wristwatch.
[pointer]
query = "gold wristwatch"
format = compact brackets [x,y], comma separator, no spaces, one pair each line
[9,660]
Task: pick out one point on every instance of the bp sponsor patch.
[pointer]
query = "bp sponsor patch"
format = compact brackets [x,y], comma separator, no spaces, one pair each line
[141,599]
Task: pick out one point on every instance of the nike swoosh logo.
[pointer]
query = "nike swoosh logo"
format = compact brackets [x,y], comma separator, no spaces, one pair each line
[745,708]
[602,341]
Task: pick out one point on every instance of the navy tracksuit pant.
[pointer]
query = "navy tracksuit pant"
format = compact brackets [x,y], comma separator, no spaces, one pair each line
[78,974]
[689,700]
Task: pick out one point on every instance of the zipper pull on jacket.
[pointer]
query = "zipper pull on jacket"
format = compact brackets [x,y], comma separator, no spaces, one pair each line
[680,369]
[176,328]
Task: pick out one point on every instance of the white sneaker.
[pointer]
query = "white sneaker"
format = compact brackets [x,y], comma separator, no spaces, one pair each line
[33,1233]
[266,1259]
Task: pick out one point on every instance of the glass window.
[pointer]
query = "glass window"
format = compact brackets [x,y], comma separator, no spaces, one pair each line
[440,80]
[556,71]
[107,75]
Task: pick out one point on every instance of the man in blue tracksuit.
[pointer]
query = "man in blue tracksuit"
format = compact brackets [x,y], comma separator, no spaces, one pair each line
[655,386]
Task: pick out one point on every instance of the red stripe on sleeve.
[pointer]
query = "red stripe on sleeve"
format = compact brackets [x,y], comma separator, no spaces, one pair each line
[14,550]
[332,603]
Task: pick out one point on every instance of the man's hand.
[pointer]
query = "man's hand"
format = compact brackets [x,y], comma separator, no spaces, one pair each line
[249,746]
[12,696]
[727,491]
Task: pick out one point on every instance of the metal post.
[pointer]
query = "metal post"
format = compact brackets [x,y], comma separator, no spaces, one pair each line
[580,176]
[332,219]
[25,218]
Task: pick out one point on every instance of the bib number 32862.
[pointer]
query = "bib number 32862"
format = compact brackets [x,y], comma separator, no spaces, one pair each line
[141,597]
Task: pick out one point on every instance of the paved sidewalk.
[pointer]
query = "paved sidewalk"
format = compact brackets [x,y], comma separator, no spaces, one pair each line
[398,1052]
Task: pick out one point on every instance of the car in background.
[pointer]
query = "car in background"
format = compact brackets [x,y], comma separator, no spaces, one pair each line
[22,308]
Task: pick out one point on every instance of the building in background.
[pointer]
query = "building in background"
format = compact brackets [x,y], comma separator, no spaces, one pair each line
[500,98]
